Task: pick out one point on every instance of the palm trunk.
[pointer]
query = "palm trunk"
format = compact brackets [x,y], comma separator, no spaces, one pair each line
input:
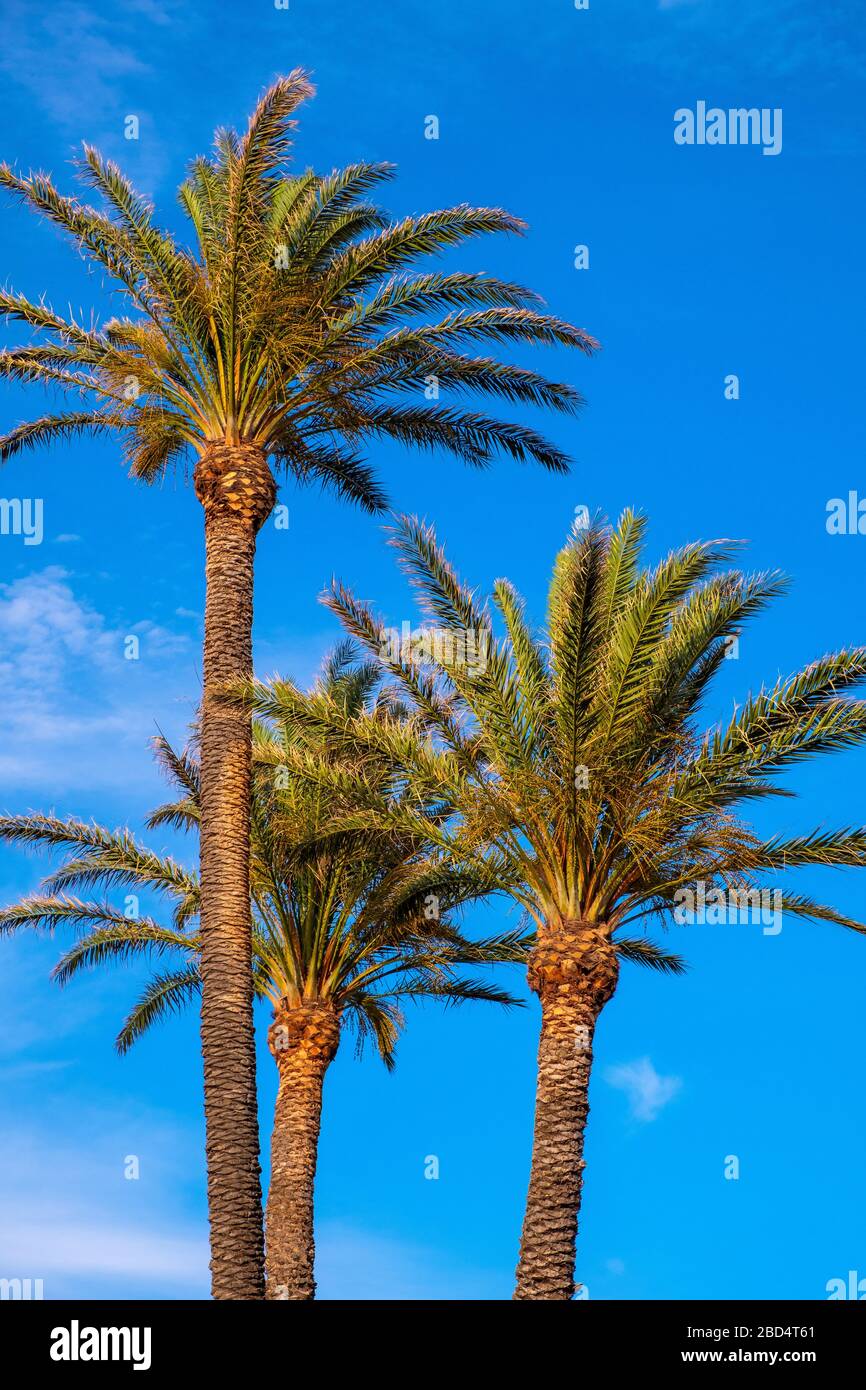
[304,1042]
[236,489]
[574,972]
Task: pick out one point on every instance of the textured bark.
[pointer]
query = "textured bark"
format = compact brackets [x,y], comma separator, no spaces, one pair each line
[236,489]
[574,972]
[304,1042]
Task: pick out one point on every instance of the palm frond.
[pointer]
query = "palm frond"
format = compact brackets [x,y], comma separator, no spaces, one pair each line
[166,994]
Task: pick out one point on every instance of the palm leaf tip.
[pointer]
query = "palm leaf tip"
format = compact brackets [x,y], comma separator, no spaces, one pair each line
[165,994]
[639,951]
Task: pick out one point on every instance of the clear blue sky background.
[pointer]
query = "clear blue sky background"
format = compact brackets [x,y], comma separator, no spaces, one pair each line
[703,262]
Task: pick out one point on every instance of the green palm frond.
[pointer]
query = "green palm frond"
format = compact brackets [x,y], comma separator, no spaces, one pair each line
[181,767]
[378,1019]
[800,905]
[47,912]
[116,942]
[50,429]
[640,627]
[354,914]
[457,990]
[106,857]
[642,952]
[166,994]
[298,319]
[578,777]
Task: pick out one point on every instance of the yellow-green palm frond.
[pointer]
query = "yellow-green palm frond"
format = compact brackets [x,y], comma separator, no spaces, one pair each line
[298,318]
[582,779]
[355,912]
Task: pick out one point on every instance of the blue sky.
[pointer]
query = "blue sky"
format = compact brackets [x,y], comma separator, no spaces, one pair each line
[704,262]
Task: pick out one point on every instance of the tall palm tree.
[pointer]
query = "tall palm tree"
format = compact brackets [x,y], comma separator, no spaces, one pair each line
[345,927]
[289,334]
[574,761]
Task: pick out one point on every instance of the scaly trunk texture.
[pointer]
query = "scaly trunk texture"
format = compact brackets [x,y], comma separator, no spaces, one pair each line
[304,1042]
[574,972]
[236,489]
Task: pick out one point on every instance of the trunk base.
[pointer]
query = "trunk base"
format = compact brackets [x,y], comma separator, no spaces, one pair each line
[304,1042]
[574,971]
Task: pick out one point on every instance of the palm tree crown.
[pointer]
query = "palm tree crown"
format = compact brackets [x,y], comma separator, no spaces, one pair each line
[574,756]
[289,324]
[353,921]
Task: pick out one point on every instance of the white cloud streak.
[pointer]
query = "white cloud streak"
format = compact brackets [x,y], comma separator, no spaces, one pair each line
[74,713]
[647,1090]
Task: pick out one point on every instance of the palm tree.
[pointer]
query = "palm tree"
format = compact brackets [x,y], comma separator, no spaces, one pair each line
[345,927]
[582,784]
[289,334]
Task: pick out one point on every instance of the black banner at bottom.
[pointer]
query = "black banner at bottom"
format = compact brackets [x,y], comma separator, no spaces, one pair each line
[84,1339]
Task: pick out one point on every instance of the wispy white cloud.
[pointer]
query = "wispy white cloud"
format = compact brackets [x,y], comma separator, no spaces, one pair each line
[68,1215]
[74,712]
[76,715]
[68,56]
[647,1090]
[53,1240]
[88,67]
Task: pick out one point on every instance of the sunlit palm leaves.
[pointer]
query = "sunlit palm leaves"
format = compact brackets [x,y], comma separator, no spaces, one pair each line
[293,320]
[572,767]
[360,920]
